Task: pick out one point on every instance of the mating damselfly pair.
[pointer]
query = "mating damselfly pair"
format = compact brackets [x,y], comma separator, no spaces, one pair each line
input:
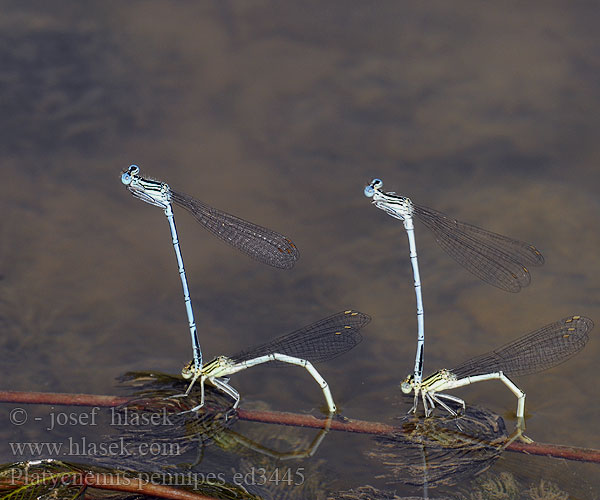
[320,341]
[501,262]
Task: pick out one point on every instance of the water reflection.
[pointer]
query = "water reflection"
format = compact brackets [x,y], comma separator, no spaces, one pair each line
[435,452]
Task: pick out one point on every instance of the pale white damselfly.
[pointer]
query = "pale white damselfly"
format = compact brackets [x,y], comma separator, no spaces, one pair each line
[321,341]
[400,208]
[258,242]
[537,351]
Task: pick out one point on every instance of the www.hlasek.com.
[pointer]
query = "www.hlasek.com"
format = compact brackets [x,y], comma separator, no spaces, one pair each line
[82,447]
[256,476]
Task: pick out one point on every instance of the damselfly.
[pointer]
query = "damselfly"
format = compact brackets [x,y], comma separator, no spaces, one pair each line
[537,351]
[321,341]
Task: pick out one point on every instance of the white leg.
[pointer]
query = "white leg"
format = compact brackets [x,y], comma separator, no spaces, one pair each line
[453,398]
[415,403]
[197,407]
[424,397]
[187,392]
[219,384]
[443,405]
[227,389]
[192,384]
[294,361]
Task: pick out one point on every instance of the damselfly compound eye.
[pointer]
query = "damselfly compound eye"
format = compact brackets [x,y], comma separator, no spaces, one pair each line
[127,176]
[188,370]
[370,189]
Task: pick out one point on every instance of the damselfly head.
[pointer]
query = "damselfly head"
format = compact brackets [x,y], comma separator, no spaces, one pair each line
[128,175]
[187,372]
[408,384]
[372,187]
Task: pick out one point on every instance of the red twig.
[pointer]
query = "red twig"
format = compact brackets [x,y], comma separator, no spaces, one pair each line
[138,486]
[557,451]
[57,398]
[293,419]
[296,420]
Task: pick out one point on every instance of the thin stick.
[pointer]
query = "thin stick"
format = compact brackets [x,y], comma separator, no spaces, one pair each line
[295,420]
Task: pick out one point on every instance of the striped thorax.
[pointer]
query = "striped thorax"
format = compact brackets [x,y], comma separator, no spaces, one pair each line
[397,206]
[432,384]
[221,366]
[154,192]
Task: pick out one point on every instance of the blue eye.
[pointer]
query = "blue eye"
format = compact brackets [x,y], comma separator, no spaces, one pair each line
[129,174]
[370,189]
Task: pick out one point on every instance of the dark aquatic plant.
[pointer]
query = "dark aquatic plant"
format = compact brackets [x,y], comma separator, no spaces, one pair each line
[504,486]
[441,451]
[371,493]
[185,431]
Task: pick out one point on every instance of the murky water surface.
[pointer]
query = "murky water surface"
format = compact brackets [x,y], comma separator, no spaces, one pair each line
[280,113]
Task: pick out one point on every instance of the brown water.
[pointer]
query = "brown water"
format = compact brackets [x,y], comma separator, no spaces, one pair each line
[280,113]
